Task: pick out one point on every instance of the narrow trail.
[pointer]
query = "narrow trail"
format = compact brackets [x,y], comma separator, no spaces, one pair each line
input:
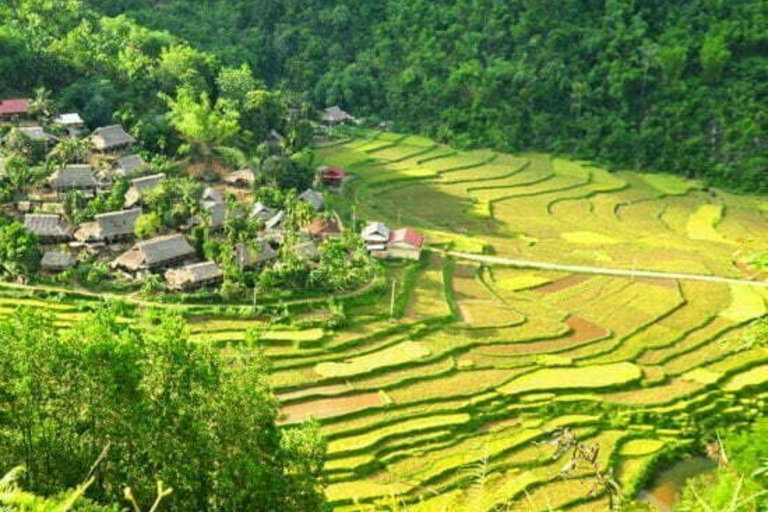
[136,301]
[582,269]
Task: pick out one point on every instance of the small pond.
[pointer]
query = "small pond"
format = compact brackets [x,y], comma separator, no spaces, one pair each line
[666,488]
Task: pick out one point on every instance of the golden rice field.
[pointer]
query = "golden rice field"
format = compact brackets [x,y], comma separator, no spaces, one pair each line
[481,363]
[491,359]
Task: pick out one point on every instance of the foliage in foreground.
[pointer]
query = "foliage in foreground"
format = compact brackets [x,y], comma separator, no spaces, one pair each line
[135,404]
[741,483]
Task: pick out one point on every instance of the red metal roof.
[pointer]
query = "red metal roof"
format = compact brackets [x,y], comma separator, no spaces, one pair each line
[14,106]
[334,173]
[407,236]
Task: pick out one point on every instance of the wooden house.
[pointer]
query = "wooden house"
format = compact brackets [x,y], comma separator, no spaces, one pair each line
[49,227]
[332,177]
[196,275]
[244,178]
[13,108]
[111,138]
[247,256]
[262,212]
[334,115]
[109,227]
[38,135]
[405,244]
[74,177]
[376,235]
[71,122]
[323,229]
[129,165]
[156,254]
[313,198]
[57,261]
[141,186]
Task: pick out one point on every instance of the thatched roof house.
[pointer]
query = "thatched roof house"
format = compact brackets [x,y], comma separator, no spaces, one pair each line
[244,178]
[57,261]
[109,138]
[306,251]
[109,227]
[247,256]
[262,212]
[156,253]
[47,226]
[323,229]
[335,115]
[193,276]
[276,221]
[37,134]
[73,177]
[314,198]
[140,187]
[129,164]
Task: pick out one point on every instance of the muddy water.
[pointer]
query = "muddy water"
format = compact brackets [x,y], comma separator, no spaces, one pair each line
[666,488]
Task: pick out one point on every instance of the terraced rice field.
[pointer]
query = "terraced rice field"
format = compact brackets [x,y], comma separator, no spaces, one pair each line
[494,358]
[480,363]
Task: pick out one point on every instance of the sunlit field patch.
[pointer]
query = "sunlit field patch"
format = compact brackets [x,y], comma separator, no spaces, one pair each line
[574,378]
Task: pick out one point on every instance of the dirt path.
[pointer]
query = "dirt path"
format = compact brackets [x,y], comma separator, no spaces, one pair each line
[582,269]
[132,299]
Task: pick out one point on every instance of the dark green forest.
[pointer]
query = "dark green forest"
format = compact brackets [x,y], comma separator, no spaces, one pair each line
[651,85]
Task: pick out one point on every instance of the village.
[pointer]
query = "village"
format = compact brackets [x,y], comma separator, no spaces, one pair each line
[109,205]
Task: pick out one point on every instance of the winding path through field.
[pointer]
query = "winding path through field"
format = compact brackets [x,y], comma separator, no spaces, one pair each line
[581,269]
[136,301]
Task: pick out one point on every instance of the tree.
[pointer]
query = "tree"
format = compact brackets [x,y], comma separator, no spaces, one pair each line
[344,264]
[41,105]
[206,127]
[175,200]
[14,499]
[148,225]
[713,57]
[71,151]
[20,144]
[18,175]
[148,404]
[19,252]
[287,173]
[235,84]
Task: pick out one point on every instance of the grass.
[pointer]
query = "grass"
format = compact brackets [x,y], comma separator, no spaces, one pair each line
[393,356]
[641,447]
[703,222]
[669,184]
[405,428]
[753,377]
[587,377]
[746,303]
[305,335]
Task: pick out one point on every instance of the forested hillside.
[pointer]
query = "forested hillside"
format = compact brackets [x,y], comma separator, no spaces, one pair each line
[658,85]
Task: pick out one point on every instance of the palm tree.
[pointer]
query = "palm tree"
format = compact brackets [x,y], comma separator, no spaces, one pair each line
[41,105]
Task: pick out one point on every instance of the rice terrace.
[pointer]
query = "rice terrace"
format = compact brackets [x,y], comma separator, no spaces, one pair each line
[468,363]
[485,360]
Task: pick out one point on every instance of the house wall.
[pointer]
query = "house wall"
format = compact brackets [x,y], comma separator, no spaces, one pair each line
[405,253]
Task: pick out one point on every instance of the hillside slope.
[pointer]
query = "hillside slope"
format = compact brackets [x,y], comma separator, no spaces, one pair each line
[677,86]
